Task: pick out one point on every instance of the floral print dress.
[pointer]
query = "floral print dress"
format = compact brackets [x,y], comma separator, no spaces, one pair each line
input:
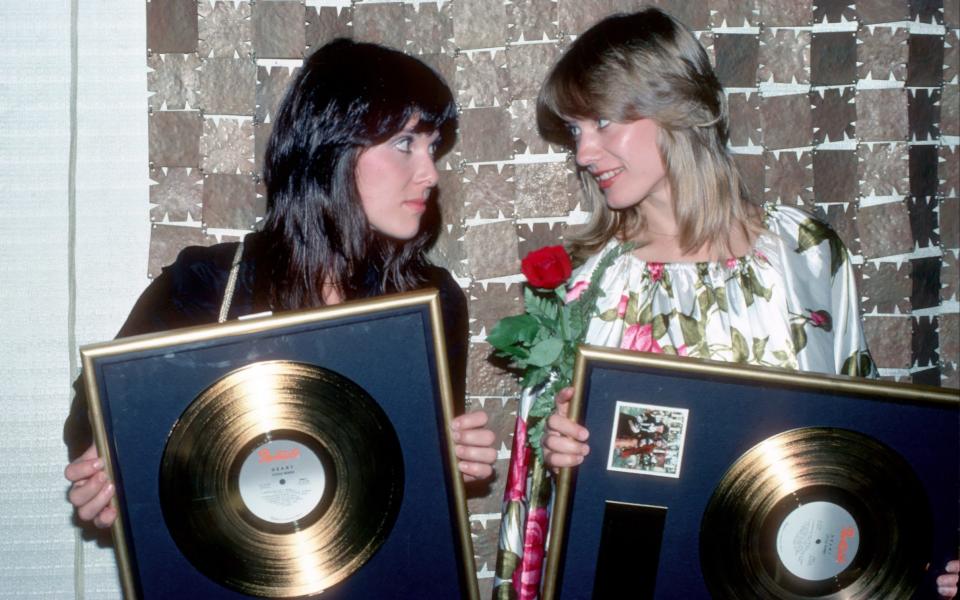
[791,302]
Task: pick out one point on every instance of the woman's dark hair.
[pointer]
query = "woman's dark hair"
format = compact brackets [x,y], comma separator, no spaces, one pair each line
[347,97]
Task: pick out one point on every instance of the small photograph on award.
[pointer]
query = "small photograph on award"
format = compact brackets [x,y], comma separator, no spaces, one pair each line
[647,439]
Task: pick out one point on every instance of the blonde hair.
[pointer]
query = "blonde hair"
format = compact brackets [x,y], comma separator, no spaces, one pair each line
[648,65]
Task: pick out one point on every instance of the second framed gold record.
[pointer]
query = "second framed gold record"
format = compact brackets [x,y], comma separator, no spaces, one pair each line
[816,513]
[281,479]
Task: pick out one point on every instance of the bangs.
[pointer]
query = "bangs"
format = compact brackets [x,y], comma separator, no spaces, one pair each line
[566,94]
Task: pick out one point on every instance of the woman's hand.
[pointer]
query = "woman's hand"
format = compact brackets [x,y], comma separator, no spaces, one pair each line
[474,445]
[91,490]
[564,442]
[947,583]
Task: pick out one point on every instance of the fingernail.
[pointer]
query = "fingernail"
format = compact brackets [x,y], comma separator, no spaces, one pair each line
[110,488]
[98,464]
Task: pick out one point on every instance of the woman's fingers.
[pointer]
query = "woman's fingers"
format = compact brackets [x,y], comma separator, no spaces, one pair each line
[470,420]
[91,509]
[559,424]
[84,466]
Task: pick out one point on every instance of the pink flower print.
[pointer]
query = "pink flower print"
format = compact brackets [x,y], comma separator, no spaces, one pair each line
[640,338]
[682,350]
[622,307]
[761,256]
[574,292]
[821,319]
[526,579]
[656,271]
[517,478]
[731,263]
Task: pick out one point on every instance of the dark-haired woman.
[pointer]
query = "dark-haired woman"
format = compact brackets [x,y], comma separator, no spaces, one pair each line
[351,210]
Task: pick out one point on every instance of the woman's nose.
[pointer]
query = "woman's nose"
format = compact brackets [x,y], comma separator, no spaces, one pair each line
[587,149]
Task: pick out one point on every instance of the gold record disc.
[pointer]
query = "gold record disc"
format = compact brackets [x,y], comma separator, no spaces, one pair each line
[816,513]
[281,479]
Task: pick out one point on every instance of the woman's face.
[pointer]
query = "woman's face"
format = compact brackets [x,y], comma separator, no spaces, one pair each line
[395,178]
[623,158]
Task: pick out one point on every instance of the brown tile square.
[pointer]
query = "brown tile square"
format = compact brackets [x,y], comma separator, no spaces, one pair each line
[737,59]
[923,221]
[226,146]
[485,134]
[429,28]
[278,29]
[541,190]
[534,236]
[448,251]
[706,39]
[949,219]
[174,138]
[272,84]
[492,249]
[482,79]
[948,172]
[175,81]
[889,340]
[788,179]
[532,20]
[784,56]
[325,23]
[833,58]
[451,197]
[523,128]
[951,13]
[751,170]
[882,53]
[491,302]
[485,533]
[951,56]
[172,26]
[883,169]
[882,115]
[950,110]
[576,16]
[224,28]
[786,13]
[926,60]
[228,86]
[923,108]
[695,15]
[834,115]
[927,11]
[444,65]
[261,137]
[949,375]
[166,241]
[381,24]
[176,193]
[950,337]
[843,220]
[489,193]
[230,202]
[484,378]
[886,288]
[733,13]
[884,230]
[527,65]
[744,111]
[883,12]
[778,112]
[479,24]
[833,11]
[835,176]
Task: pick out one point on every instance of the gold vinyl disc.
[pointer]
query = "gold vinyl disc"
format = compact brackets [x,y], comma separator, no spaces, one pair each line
[816,513]
[281,479]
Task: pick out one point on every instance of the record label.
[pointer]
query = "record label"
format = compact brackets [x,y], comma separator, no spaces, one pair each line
[281,481]
[818,540]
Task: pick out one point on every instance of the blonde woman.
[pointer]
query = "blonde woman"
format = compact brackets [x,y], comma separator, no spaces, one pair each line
[712,275]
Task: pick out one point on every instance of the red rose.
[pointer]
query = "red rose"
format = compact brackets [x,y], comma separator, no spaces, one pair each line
[547,267]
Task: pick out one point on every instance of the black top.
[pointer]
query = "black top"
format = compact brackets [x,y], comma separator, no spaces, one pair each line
[191,290]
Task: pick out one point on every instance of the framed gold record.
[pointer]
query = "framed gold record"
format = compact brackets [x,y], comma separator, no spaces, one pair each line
[286,456]
[793,486]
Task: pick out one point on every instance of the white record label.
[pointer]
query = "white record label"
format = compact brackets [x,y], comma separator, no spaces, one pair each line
[281,481]
[818,540]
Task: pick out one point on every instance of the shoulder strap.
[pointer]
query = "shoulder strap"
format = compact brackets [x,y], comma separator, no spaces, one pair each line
[231,284]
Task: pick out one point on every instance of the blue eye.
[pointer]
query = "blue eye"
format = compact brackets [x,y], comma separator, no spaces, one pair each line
[601,123]
[573,130]
[403,144]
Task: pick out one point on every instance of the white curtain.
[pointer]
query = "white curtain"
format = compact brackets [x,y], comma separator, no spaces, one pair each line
[74,240]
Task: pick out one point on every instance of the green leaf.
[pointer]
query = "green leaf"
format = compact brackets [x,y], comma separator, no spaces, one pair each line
[759,346]
[513,330]
[690,329]
[781,355]
[545,352]
[799,337]
[721,296]
[858,364]
[741,352]
[838,254]
[666,284]
[645,316]
[609,315]
[810,234]
[659,326]
[756,286]
[705,300]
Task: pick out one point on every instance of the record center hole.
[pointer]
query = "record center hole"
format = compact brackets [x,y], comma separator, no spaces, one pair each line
[281,481]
